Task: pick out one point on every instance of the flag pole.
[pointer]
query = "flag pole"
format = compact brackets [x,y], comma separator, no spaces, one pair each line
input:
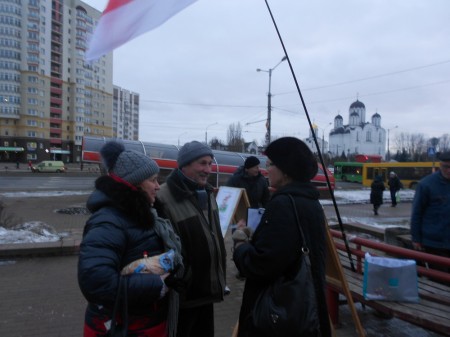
[341,226]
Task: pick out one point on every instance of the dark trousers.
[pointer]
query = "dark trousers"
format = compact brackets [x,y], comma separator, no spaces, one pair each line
[393,198]
[196,322]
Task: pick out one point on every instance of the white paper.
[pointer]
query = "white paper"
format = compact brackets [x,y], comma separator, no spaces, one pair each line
[254,216]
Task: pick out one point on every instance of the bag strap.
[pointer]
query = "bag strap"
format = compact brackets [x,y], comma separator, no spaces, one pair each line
[305,249]
[121,298]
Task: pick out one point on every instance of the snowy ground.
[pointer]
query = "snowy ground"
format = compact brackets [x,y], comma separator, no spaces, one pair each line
[37,231]
[362,196]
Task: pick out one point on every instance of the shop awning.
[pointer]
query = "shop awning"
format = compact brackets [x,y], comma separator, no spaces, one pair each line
[11,149]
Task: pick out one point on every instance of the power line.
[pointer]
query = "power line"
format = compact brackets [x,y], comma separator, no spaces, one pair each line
[320,87]
[369,77]
[382,92]
[204,104]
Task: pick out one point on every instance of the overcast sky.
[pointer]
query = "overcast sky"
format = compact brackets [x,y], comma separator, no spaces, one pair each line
[199,68]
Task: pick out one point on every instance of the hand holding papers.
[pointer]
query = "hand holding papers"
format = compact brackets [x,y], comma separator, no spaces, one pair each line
[254,216]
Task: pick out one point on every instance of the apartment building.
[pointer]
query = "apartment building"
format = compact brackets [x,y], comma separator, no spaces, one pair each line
[125,114]
[49,96]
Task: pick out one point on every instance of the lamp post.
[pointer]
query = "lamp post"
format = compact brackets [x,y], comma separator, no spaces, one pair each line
[269,100]
[388,155]
[206,132]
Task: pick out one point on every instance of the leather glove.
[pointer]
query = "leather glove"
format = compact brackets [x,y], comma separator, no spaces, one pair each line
[175,282]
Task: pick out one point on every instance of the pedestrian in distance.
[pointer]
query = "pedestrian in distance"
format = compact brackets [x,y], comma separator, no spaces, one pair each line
[255,184]
[395,185]
[190,204]
[376,193]
[128,249]
[274,248]
[430,217]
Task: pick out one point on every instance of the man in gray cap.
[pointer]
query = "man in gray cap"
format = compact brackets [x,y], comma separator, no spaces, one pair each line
[430,219]
[189,203]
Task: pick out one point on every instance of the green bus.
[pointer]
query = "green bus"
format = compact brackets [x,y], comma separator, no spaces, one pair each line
[348,171]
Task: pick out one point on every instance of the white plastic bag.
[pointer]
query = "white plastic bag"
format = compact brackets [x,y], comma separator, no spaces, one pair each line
[390,279]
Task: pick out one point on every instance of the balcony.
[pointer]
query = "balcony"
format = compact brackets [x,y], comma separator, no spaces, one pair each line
[55,100]
[57,17]
[56,111]
[55,90]
[55,132]
[56,49]
[57,81]
[57,28]
[56,39]
[54,120]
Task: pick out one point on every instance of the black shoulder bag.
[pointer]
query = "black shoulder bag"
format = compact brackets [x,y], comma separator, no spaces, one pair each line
[120,330]
[288,307]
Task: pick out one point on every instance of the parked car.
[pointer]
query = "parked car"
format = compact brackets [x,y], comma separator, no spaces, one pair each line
[49,166]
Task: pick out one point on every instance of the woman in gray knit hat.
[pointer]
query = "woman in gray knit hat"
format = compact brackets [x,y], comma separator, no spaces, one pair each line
[126,243]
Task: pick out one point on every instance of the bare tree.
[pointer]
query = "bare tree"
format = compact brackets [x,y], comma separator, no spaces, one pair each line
[444,143]
[414,144]
[216,144]
[234,138]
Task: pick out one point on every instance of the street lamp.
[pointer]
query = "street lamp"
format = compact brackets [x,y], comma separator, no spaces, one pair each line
[388,155]
[206,132]
[269,100]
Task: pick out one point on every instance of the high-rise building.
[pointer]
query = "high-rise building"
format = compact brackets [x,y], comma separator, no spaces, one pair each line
[49,96]
[125,115]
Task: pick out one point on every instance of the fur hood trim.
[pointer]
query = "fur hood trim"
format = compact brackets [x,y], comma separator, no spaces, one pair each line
[134,204]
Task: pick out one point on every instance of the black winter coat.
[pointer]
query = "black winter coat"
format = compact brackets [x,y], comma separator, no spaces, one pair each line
[395,184]
[257,188]
[376,192]
[119,231]
[275,249]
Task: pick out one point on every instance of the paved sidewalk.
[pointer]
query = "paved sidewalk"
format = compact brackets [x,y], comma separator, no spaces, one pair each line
[40,296]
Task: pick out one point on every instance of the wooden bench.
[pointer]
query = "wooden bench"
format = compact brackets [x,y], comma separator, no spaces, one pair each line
[432,312]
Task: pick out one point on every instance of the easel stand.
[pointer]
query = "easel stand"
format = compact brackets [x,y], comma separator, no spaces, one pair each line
[335,275]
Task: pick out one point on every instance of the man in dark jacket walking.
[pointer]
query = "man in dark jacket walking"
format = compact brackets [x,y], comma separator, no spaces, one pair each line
[394,186]
[190,204]
[249,177]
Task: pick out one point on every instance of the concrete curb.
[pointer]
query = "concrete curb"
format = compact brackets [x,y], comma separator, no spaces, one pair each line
[66,246]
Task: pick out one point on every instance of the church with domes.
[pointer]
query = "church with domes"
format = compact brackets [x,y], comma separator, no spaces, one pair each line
[358,136]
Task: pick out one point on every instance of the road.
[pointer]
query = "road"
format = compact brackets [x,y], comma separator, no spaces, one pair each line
[45,182]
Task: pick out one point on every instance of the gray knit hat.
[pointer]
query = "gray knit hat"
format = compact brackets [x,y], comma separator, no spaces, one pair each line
[132,166]
[192,151]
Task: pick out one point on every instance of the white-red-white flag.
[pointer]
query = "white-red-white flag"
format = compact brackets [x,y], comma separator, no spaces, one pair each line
[123,20]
